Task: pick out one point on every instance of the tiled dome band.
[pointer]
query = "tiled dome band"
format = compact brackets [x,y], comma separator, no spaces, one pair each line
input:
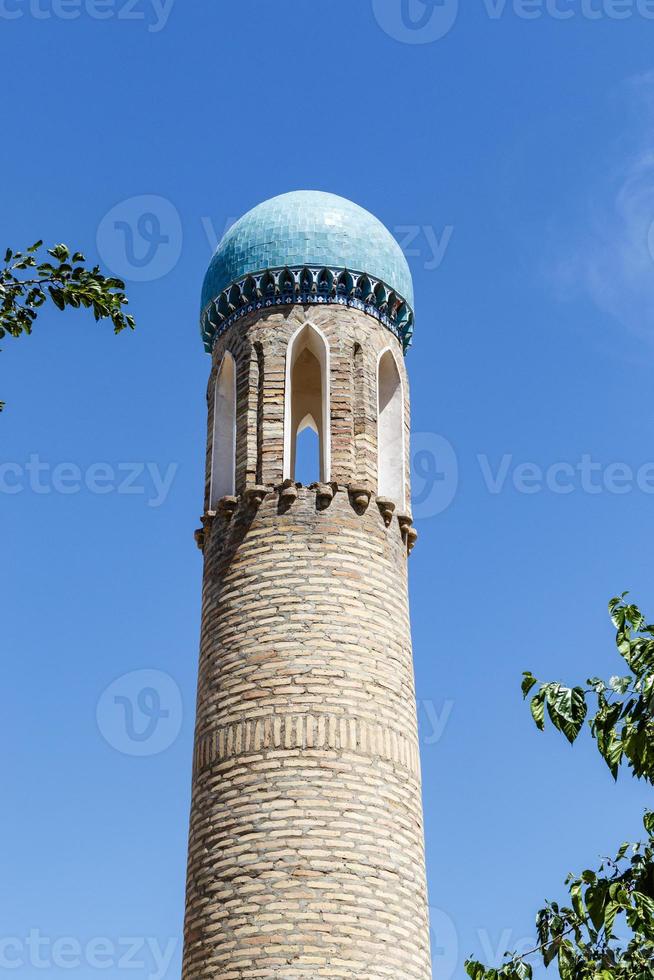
[306,285]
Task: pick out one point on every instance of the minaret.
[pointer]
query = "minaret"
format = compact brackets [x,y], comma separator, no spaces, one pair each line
[306,853]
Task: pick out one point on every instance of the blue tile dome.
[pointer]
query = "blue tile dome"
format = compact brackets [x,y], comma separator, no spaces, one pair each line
[307,246]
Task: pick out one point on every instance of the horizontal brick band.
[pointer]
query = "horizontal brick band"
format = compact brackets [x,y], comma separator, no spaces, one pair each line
[321,732]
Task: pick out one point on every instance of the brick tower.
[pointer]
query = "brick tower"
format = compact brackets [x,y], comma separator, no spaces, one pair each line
[306,852]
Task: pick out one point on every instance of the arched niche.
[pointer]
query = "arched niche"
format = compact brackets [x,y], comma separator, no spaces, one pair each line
[223,446]
[390,430]
[307,398]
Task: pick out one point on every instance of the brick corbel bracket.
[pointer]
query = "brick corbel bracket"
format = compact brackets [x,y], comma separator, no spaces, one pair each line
[324,495]
[360,496]
[387,509]
[255,496]
[409,533]
[202,534]
[227,507]
[288,493]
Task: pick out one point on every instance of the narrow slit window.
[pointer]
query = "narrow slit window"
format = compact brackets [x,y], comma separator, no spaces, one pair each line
[306,418]
[390,429]
[223,455]
[307,453]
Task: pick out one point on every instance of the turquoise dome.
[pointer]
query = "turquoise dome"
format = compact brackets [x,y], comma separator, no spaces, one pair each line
[308,231]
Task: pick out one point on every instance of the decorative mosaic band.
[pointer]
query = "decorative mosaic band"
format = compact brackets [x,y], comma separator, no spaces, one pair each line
[321,732]
[306,285]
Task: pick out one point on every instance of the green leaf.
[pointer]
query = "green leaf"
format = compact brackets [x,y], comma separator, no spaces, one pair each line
[610,913]
[567,709]
[596,896]
[550,952]
[620,684]
[577,900]
[567,961]
[538,709]
[59,252]
[617,610]
[635,617]
[646,903]
[612,749]
[528,681]
[57,297]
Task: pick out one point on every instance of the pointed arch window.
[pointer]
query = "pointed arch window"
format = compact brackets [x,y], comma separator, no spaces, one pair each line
[390,430]
[307,400]
[223,447]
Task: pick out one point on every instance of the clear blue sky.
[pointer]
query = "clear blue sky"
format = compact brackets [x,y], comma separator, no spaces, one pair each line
[523,145]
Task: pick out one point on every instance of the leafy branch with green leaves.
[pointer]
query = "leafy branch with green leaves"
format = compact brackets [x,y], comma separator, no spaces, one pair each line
[26,285]
[582,938]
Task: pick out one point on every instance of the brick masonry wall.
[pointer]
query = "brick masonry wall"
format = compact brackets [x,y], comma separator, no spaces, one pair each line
[306,853]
